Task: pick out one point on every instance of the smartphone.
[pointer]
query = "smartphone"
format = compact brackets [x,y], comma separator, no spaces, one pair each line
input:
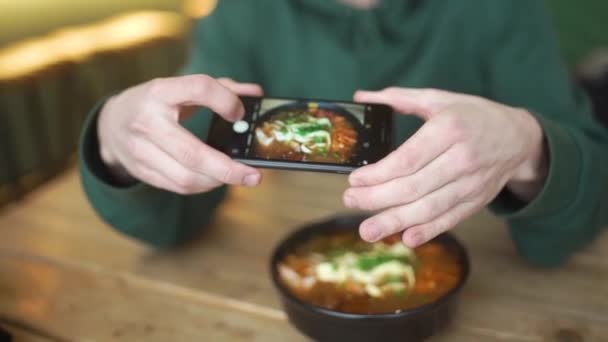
[306,135]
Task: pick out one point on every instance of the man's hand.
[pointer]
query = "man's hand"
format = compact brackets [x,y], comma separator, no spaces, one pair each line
[466,152]
[140,135]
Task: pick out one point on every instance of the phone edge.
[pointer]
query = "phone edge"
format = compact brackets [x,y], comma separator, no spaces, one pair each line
[292,166]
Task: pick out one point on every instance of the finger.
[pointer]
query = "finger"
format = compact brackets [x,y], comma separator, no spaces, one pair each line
[155,163]
[153,178]
[423,147]
[419,102]
[429,207]
[158,180]
[417,235]
[196,156]
[197,90]
[245,89]
[438,173]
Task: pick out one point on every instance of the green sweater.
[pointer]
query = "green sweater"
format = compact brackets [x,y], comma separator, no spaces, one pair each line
[502,50]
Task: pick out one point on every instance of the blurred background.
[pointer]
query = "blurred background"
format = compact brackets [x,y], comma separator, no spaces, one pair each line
[58,57]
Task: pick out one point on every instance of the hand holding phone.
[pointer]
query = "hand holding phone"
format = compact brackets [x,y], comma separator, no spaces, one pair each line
[140,138]
[308,135]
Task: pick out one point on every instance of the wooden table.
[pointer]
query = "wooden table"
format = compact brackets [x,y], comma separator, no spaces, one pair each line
[66,275]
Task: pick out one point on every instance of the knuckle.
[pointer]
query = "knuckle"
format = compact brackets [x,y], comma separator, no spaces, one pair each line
[474,195]
[451,201]
[405,164]
[475,182]
[423,230]
[455,127]
[138,124]
[187,156]
[430,208]
[411,191]
[144,121]
[467,159]
[155,88]
[438,227]
[401,154]
[392,91]
[445,224]
[202,85]
[368,200]
[394,222]
[185,181]
[474,188]
[227,175]
[417,236]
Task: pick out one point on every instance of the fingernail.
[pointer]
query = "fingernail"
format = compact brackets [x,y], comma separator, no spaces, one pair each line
[371,233]
[349,201]
[252,179]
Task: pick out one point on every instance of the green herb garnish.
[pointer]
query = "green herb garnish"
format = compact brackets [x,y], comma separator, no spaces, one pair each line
[311,128]
[371,261]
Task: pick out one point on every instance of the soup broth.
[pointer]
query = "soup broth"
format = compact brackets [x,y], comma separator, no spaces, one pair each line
[341,272]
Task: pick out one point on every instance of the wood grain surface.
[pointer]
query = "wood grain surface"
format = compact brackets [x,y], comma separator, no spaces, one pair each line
[66,275]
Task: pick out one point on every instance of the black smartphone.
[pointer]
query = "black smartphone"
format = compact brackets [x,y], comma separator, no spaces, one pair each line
[307,135]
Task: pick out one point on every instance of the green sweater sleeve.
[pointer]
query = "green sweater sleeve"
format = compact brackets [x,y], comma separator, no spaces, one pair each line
[525,70]
[155,216]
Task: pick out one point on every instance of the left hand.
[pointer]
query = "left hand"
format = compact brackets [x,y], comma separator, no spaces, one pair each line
[467,151]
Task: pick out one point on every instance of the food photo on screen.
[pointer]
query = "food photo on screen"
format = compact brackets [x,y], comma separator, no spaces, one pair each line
[306,131]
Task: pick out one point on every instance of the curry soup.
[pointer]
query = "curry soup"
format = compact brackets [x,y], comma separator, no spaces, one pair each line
[343,273]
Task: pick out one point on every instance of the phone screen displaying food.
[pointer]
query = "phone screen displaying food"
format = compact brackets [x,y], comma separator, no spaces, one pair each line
[307,132]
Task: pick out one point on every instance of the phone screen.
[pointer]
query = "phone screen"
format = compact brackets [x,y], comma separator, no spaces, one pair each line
[305,134]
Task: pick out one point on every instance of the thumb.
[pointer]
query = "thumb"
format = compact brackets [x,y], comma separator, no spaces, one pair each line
[416,102]
[197,90]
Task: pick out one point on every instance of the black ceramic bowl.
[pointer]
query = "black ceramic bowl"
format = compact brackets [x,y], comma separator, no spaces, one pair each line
[323,324]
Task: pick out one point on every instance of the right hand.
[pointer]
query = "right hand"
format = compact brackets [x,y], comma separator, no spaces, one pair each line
[140,135]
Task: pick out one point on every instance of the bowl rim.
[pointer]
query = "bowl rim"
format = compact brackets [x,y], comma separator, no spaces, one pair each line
[333,224]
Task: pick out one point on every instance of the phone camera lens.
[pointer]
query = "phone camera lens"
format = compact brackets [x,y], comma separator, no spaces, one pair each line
[240,126]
